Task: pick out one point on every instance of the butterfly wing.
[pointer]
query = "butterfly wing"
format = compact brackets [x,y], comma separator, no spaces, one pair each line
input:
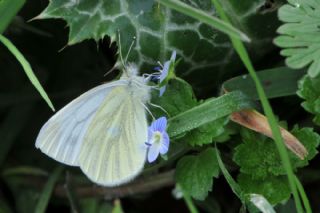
[113,151]
[62,136]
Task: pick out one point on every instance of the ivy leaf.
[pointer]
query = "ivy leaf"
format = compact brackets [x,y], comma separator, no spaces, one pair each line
[309,89]
[195,173]
[258,157]
[300,34]
[274,188]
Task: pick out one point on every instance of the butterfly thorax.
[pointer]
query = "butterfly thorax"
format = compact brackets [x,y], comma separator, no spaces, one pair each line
[136,85]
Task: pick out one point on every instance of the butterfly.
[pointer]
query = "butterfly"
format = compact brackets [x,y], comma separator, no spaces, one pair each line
[103,131]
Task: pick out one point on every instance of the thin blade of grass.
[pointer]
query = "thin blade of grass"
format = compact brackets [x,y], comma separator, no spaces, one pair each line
[117,207]
[27,69]
[47,190]
[8,9]
[232,183]
[242,52]
[205,18]
[303,196]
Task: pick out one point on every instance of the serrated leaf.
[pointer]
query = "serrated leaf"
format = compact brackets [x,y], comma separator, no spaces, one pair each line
[195,173]
[274,188]
[258,157]
[300,34]
[205,52]
[309,89]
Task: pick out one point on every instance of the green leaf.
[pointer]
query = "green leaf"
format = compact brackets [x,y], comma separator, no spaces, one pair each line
[274,188]
[195,173]
[309,89]
[206,54]
[27,69]
[8,9]
[117,207]
[300,35]
[47,191]
[207,112]
[277,82]
[257,155]
[205,120]
[206,134]
[177,98]
[243,54]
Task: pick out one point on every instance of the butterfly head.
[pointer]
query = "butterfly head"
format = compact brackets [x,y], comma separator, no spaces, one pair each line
[137,85]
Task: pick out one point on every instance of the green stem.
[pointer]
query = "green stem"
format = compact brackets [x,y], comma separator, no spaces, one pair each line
[243,54]
[188,200]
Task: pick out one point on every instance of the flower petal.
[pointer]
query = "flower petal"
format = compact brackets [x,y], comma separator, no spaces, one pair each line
[150,134]
[162,90]
[165,71]
[173,56]
[165,143]
[153,152]
[160,124]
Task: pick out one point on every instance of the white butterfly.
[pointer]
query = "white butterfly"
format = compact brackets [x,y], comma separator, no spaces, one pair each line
[103,131]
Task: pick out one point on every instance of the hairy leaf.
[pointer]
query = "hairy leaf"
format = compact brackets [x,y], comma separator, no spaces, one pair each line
[258,156]
[158,30]
[195,173]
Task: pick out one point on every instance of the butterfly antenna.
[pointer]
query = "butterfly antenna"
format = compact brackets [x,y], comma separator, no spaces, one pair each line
[130,48]
[111,70]
[120,50]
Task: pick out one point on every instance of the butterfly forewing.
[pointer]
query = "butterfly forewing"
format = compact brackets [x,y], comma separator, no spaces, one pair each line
[113,150]
[62,136]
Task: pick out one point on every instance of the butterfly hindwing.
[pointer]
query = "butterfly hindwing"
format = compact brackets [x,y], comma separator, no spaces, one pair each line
[113,150]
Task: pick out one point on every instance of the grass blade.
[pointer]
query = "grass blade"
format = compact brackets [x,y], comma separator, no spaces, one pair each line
[303,196]
[27,68]
[232,183]
[8,9]
[242,52]
[47,190]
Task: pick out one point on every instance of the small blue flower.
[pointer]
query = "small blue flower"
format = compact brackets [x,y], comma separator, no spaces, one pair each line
[165,71]
[158,139]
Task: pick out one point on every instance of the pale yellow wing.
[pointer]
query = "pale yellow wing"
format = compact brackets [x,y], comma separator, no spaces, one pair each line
[62,136]
[113,150]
